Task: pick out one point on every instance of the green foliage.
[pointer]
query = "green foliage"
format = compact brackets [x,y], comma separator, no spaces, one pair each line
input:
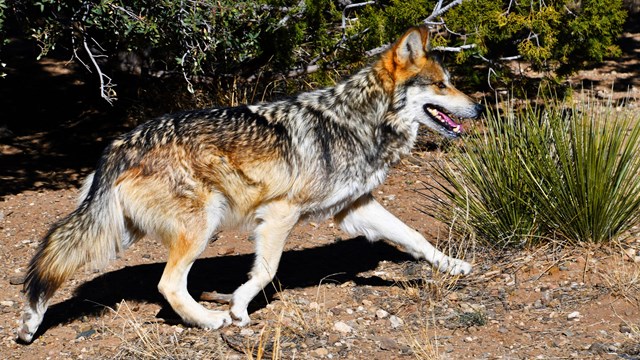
[547,172]
[196,36]
[560,36]
[484,182]
[265,39]
[3,9]
[587,188]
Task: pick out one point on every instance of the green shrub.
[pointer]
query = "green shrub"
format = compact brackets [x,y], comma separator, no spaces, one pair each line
[483,182]
[543,172]
[229,40]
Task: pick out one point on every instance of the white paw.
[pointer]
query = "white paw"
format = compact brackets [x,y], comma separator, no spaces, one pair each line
[25,334]
[240,317]
[216,320]
[454,266]
[31,320]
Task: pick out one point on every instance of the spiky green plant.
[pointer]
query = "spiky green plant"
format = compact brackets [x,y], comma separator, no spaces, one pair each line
[542,172]
[483,182]
[587,187]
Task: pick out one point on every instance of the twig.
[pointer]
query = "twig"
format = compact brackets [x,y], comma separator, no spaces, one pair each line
[586,265]
[184,73]
[377,51]
[491,71]
[439,10]
[106,90]
[509,7]
[126,11]
[455,48]
[509,58]
[301,71]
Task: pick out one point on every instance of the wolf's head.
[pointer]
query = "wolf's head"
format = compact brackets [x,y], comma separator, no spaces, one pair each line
[422,88]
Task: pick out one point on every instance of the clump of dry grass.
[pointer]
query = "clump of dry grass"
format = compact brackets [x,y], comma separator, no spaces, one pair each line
[148,340]
[430,289]
[295,322]
[423,343]
[623,278]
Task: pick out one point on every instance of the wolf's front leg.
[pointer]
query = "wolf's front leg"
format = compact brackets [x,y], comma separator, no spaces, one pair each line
[367,217]
[276,221]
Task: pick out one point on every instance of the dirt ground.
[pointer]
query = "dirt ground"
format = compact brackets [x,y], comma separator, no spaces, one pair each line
[334,298]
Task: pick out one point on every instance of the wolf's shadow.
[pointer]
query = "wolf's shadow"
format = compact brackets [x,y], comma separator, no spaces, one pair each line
[338,262]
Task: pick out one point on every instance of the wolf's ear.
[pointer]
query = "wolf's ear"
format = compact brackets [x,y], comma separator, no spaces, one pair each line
[413,45]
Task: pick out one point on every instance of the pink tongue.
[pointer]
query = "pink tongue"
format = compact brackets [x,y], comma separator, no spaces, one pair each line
[448,120]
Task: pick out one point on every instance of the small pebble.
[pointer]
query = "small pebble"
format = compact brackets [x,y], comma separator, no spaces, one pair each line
[17,279]
[246,332]
[625,329]
[574,316]
[321,352]
[396,322]
[381,314]
[342,327]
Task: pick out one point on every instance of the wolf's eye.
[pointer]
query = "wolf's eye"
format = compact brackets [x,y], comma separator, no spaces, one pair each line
[441,85]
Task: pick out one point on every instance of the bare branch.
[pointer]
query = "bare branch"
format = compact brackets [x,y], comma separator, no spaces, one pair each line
[184,73]
[308,70]
[377,51]
[126,11]
[490,72]
[509,7]
[439,10]
[510,58]
[106,89]
[454,48]
[381,49]
[75,53]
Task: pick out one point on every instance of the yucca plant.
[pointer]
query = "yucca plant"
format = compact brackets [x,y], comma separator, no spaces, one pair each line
[483,182]
[543,172]
[588,185]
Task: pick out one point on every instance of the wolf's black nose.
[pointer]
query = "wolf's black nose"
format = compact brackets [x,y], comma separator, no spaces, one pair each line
[479,109]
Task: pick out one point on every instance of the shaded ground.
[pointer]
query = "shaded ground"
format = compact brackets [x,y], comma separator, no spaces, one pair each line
[334,298]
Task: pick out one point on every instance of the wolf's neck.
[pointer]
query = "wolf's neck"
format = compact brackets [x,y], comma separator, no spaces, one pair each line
[395,134]
[364,94]
[359,100]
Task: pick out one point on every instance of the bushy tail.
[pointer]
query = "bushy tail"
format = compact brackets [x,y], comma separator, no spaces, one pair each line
[90,235]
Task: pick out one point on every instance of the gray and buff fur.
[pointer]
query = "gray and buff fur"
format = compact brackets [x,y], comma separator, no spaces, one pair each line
[267,167]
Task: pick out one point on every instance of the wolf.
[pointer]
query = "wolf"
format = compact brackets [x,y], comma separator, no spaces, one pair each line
[181,178]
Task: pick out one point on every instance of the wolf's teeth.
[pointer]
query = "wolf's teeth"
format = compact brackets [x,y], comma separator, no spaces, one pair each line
[433,112]
[456,129]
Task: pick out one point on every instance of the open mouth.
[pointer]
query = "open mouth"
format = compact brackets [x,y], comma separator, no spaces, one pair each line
[442,119]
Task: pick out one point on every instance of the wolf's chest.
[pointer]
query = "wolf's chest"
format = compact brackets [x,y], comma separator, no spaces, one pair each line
[343,193]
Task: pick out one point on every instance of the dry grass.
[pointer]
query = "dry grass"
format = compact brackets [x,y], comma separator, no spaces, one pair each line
[431,290]
[623,277]
[424,342]
[294,322]
[153,340]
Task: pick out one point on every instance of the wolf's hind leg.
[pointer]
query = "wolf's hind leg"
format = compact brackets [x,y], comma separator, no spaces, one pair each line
[276,221]
[187,235]
[367,217]
[183,251]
